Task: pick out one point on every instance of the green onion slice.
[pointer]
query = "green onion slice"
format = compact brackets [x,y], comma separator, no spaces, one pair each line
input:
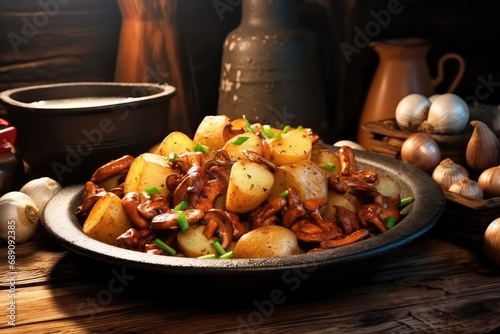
[284,193]
[181,206]
[390,222]
[182,220]
[266,131]
[227,255]
[328,166]
[172,156]
[201,148]
[248,126]
[300,127]
[218,247]
[152,190]
[287,128]
[207,257]
[240,140]
[164,246]
[405,201]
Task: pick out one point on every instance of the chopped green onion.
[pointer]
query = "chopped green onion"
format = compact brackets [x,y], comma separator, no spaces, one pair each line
[328,166]
[172,156]
[152,190]
[266,131]
[164,246]
[284,193]
[181,206]
[405,201]
[207,257]
[218,247]
[286,128]
[201,148]
[227,255]
[248,126]
[182,220]
[300,127]
[390,222]
[240,140]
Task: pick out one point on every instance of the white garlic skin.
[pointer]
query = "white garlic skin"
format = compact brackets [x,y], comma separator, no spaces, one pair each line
[449,114]
[467,188]
[448,172]
[351,144]
[491,242]
[19,217]
[412,110]
[41,190]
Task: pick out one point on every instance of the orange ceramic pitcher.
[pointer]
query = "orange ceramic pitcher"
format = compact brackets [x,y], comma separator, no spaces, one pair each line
[402,70]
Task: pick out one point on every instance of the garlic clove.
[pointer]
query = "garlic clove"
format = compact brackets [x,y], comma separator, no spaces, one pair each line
[412,110]
[489,181]
[433,97]
[483,148]
[421,150]
[491,242]
[349,143]
[19,217]
[41,190]
[467,188]
[448,114]
[448,172]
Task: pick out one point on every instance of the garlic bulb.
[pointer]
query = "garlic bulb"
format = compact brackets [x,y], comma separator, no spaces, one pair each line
[448,172]
[412,110]
[349,143]
[489,180]
[448,114]
[434,97]
[491,242]
[421,150]
[19,217]
[41,190]
[483,148]
[467,188]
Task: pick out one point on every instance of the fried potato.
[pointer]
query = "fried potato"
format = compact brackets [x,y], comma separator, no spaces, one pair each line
[249,185]
[175,142]
[107,220]
[234,148]
[210,131]
[148,170]
[293,146]
[326,158]
[266,242]
[194,243]
[305,176]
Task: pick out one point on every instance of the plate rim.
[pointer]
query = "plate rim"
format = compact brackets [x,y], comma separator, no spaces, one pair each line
[61,223]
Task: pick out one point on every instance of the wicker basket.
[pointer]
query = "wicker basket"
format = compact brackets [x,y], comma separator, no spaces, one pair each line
[464,220]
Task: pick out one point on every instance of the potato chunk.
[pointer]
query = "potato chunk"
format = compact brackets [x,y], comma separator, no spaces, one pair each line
[249,186]
[210,131]
[245,141]
[107,220]
[292,147]
[305,176]
[175,142]
[266,242]
[148,170]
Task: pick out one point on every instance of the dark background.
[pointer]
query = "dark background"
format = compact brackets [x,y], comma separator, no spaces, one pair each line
[80,43]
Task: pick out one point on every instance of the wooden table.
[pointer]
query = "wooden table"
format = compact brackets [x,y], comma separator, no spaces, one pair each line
[429,286]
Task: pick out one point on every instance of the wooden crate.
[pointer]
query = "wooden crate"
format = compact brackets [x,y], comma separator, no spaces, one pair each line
[464,220]
[386,138]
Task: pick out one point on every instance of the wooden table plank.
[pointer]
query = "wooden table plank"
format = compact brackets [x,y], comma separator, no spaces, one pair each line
[427,286]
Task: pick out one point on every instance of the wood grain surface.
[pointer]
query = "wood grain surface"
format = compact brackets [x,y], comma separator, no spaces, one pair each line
[428,286]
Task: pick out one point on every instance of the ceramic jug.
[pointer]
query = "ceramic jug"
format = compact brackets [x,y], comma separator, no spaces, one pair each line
[402,70]
[271,69]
